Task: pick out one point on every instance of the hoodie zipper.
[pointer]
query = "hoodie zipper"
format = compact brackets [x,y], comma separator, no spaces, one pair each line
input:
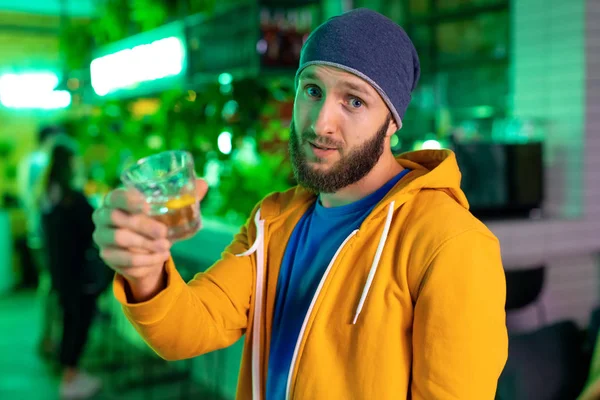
[367,287]
[309,312]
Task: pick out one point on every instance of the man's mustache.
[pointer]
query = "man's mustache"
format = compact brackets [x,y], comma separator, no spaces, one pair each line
[324,141]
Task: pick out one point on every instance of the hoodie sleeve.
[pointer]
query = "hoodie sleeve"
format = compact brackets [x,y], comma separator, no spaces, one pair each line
[460,342]
[208,313]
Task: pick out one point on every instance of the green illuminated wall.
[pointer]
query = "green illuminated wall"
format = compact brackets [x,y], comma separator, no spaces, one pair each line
[548,76]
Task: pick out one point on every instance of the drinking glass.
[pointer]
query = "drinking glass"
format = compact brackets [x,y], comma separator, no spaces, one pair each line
[168,183]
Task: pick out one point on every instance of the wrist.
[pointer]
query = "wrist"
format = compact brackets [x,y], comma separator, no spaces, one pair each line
[141,290]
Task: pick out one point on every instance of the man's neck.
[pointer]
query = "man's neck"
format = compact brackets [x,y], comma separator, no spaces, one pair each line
[382,172]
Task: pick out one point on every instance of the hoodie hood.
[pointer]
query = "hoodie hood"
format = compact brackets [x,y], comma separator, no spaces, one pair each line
[430,170]
[433,169]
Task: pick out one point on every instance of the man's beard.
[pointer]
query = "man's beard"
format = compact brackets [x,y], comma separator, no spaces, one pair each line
[349,169]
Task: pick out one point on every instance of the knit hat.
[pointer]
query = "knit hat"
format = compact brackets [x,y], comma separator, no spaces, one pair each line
[372,47]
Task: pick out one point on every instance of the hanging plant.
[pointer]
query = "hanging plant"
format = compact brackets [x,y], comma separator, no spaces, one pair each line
[150,14]
[77,43]
[115,22]
[202,6]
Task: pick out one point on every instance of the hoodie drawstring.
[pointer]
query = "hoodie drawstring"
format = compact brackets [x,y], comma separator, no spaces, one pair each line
[259,248]
[373,270]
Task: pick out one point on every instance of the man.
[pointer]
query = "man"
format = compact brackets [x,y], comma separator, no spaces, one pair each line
[369,280]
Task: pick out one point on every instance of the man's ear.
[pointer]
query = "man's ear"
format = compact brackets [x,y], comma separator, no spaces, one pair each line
[392,128]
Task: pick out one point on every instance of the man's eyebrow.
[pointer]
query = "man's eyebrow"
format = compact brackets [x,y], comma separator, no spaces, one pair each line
[357,88]
[309,76]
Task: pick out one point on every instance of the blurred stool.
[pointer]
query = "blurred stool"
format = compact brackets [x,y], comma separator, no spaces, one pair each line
[106,354]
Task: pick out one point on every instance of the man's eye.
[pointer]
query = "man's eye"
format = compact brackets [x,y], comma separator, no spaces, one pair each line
[313,91]
[356,103]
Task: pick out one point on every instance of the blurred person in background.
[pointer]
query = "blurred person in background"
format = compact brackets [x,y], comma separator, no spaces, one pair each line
[68,228]
[368,280]
[30,173]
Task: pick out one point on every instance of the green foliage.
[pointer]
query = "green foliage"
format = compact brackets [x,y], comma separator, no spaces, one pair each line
[244,185]
[185,119]
[113,22]
[150,14]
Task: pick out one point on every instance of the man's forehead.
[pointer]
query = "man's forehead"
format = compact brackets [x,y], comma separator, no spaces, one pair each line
[324,72]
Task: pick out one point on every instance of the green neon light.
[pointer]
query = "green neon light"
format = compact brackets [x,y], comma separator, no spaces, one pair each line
[32,90]
[224,142]
[128,68]
[225,78]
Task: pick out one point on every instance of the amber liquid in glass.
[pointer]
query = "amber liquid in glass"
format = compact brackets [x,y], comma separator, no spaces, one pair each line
[182,217]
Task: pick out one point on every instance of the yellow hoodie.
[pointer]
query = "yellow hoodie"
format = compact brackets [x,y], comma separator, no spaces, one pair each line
[411,305]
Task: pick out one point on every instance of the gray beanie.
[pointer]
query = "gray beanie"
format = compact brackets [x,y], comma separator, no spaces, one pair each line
[372,47]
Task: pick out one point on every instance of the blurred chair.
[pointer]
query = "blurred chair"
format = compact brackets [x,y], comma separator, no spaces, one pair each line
[523,288]
[548,363]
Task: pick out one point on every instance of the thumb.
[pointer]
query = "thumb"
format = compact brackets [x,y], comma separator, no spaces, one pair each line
[201,188]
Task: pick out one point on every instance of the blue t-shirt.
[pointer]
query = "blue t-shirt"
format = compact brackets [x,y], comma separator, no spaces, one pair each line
[314,241]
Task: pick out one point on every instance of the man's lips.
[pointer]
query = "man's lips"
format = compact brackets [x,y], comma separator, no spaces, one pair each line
[321,152]
[321,147]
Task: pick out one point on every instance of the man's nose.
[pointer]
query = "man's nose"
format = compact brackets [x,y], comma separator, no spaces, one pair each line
[326,118]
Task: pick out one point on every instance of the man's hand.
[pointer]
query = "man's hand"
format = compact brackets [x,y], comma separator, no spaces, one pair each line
[132,243]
